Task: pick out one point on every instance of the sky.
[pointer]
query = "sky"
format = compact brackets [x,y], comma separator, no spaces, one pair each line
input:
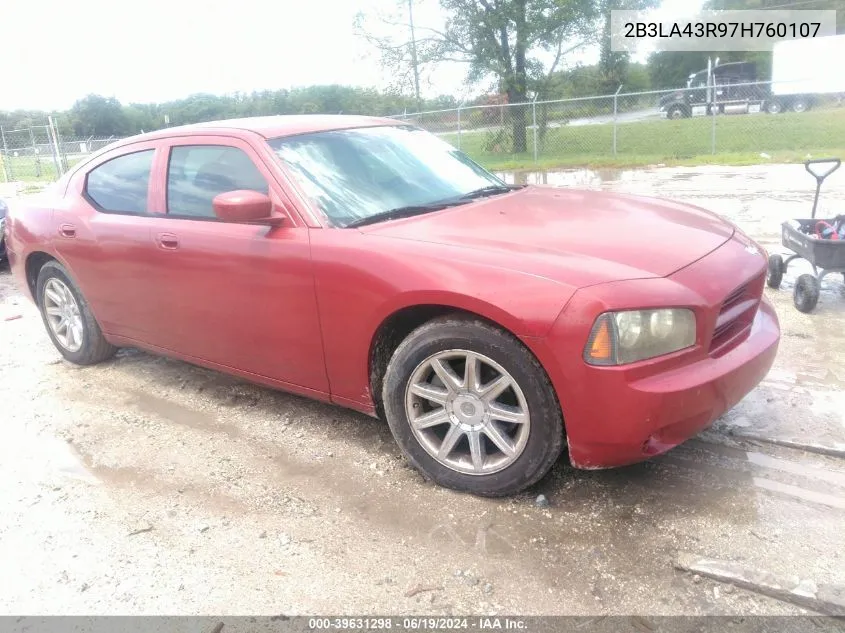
[57,51]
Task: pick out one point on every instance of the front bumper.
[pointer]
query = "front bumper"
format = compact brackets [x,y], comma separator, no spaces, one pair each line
[621,415]
[654,414]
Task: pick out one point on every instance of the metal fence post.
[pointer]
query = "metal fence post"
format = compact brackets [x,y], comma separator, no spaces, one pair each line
[713,130]
[615,112]
[534,123]
[62,150]
[711,91]
[35,153]
[8,175]
[54,145]
[459,125]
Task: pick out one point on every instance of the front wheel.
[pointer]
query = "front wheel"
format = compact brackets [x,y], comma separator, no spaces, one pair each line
[806,293]
[775,273]
[68,318]
[472,408]
[676,113]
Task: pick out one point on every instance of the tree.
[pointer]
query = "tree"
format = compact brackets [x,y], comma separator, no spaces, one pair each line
[142,116]
[509,40]
[520,43]
[96,115]
[504,39]
[613,65]
[670,69]
[589,81]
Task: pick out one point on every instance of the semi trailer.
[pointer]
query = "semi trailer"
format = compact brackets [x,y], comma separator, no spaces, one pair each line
[803,72]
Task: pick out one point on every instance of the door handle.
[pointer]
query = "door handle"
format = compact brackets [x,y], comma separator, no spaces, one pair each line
[168,241]
[67,230]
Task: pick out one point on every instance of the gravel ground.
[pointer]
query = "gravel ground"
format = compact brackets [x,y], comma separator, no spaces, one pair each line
[147,486]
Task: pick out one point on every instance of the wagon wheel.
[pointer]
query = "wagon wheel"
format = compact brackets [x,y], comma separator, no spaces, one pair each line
[806,293]
[775,273]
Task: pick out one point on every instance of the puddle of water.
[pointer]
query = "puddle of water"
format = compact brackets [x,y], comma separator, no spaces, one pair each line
[800,493]
[68,463]
[175,412]
[759,198]
[628,518]
[809,473]
[43,458]
[796,468]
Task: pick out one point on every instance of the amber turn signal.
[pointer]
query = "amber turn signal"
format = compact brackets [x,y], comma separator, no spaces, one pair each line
[600,346]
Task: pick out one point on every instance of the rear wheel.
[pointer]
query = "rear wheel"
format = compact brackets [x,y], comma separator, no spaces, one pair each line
[800,105]
[806,293]
[68,318]
[472,408]
[775,273]
[774,107]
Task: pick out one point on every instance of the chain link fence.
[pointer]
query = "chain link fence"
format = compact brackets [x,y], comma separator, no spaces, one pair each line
[742,122]
[41,154]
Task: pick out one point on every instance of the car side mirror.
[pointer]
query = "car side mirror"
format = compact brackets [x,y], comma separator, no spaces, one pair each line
[245,207]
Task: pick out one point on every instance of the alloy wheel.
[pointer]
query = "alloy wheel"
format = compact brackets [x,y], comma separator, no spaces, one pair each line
[467,412]
[63,315]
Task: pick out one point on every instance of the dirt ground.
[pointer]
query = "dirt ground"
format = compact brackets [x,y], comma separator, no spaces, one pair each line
[147,486]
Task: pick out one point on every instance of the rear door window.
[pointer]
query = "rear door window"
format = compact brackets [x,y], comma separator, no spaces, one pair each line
[120,185]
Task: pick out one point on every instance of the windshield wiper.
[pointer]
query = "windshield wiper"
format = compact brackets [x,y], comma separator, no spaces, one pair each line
[419,209]
[492,190]
[404,212]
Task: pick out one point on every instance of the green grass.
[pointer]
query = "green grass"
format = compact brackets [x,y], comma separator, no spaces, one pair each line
[740,140]
[28,169]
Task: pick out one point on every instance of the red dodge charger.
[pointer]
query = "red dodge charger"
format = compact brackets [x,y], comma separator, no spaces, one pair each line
[366,262]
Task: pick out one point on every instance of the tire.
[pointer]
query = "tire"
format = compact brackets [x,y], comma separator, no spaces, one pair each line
[806,294]
[676,113]
[93,347]
[538,439]
[800,105]
[775,274]
[774,107]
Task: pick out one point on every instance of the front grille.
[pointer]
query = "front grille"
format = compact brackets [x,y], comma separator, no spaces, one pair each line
[736,316]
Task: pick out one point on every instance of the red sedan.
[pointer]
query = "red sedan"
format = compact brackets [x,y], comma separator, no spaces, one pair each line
[365,262]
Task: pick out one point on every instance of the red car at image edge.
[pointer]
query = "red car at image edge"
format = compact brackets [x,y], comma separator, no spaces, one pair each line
[368,263]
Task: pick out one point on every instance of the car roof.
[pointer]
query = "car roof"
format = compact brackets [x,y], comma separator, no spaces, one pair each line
[265,126]
[272,126]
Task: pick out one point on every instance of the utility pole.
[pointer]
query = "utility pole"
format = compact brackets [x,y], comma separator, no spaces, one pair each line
[414,61]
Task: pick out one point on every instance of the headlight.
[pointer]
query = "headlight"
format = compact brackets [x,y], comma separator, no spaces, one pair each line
[618,338]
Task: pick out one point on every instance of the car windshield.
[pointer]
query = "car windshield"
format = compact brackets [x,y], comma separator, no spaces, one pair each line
[358,173]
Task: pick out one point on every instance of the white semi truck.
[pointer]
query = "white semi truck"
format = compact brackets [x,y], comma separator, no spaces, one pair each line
[802,71]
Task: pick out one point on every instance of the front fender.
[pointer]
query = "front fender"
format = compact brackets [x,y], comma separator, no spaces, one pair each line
[359,288]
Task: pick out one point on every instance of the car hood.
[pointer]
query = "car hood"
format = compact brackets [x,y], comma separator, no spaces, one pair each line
[613,235]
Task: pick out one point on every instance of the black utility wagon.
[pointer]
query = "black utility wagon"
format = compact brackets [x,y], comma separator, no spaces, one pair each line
[820,242]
